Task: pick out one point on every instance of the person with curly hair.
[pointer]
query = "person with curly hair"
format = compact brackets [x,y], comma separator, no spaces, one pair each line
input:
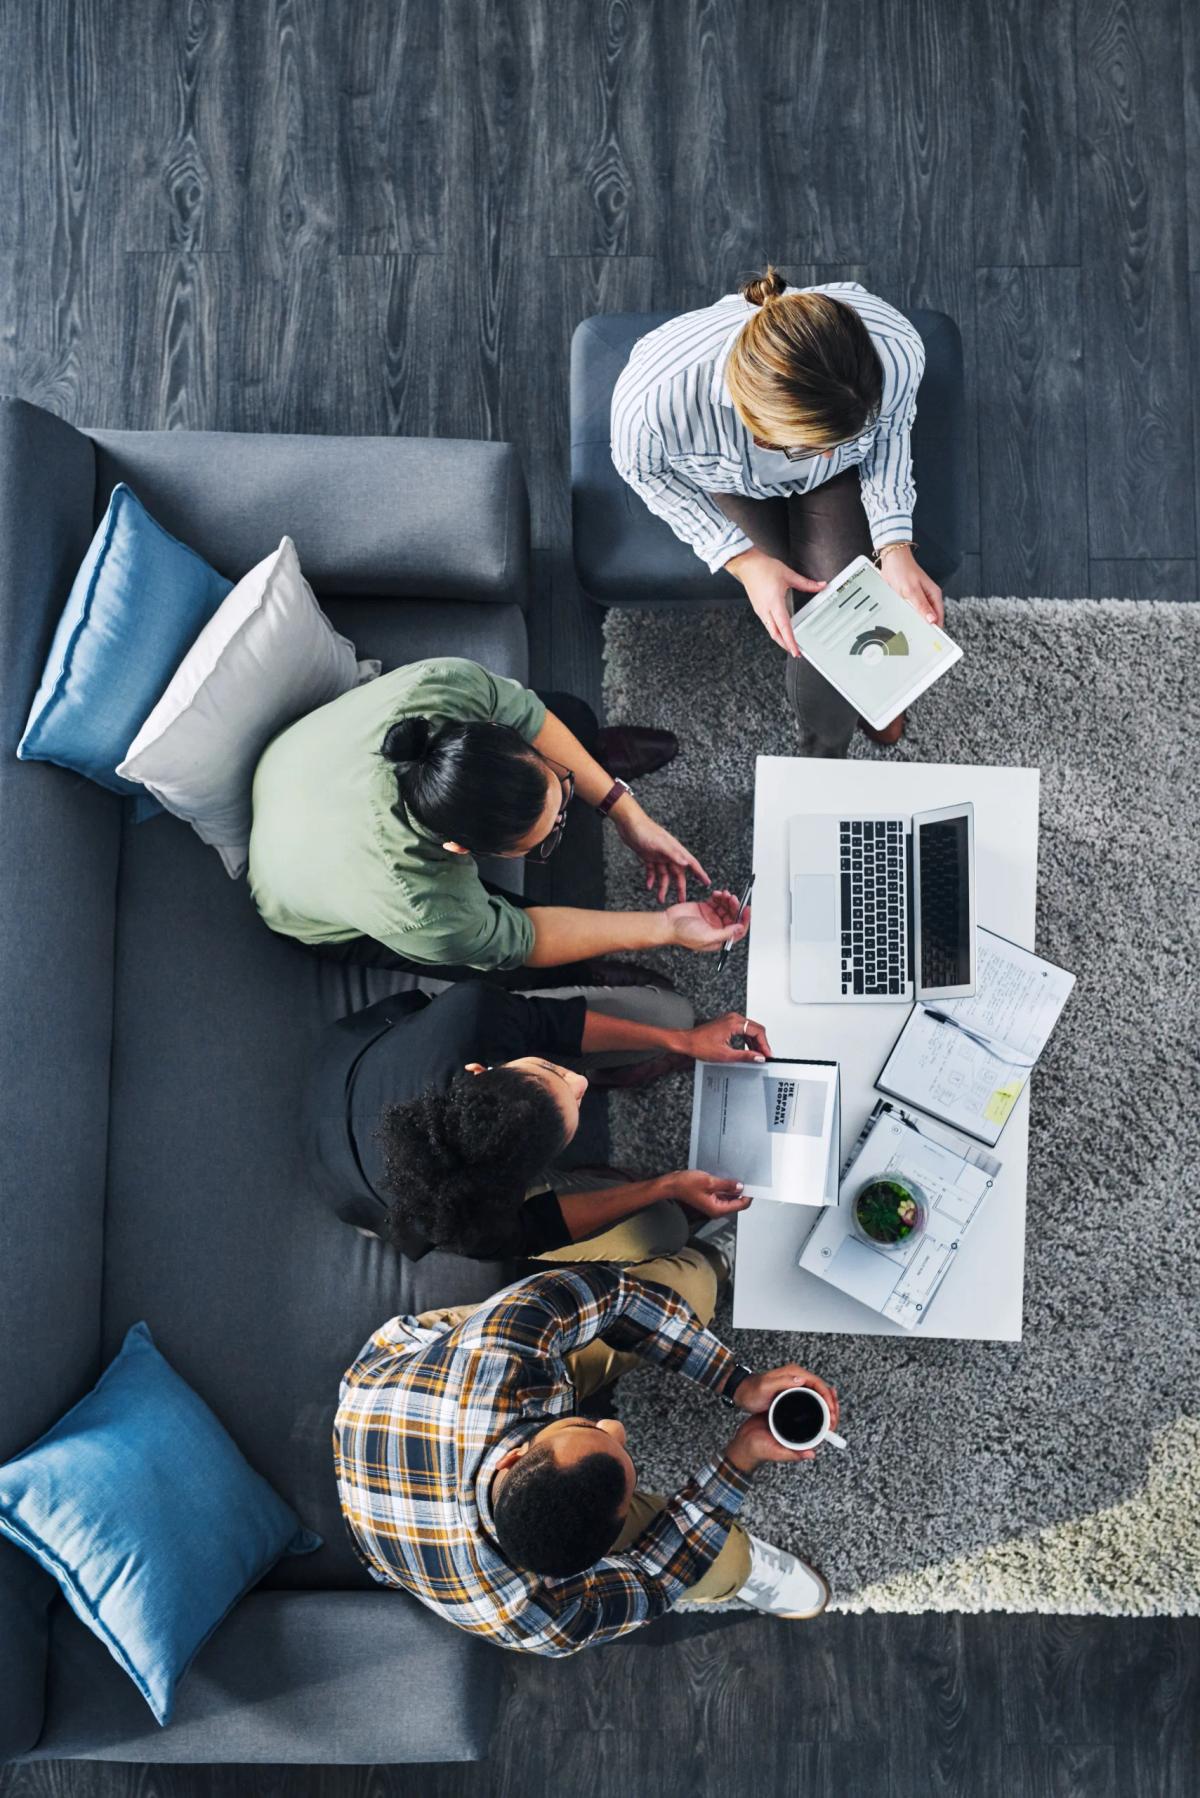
[445,1122]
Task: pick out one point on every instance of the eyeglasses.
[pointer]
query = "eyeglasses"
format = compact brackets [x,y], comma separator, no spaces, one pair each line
[549,843]
[797,453]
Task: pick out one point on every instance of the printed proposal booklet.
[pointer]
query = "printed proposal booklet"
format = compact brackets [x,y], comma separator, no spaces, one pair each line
[776,1126]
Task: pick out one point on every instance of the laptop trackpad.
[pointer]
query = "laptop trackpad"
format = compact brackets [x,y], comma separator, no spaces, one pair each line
[814,908]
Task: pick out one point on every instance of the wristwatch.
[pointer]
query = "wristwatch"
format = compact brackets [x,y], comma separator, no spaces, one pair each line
[736,1376]
[617,791]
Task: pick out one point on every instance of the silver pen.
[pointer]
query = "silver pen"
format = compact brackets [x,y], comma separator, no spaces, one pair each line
[1003,1053]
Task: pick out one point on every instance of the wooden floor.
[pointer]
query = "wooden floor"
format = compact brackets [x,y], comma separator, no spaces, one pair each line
[388,216]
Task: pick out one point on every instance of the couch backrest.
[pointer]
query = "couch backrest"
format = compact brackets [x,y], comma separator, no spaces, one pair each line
[398,517]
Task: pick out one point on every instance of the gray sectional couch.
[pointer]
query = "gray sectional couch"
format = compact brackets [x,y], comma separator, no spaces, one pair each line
[155,1040]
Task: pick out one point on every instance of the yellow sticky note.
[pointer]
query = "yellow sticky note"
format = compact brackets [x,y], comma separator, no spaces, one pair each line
[1002,1101]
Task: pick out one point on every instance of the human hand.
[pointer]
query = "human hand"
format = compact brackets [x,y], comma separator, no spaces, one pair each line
[758,1389]
[768,583]
[704,924]
[753,1444]
[712,1039]
[905,576]
[666,860]
[709,1193]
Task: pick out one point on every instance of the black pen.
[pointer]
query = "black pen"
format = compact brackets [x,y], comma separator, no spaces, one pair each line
[726,947]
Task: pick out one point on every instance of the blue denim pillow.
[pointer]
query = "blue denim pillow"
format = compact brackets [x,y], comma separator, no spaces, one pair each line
[142,1508]
[138,603]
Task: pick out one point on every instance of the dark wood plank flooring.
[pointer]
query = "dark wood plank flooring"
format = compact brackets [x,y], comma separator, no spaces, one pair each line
[388,217]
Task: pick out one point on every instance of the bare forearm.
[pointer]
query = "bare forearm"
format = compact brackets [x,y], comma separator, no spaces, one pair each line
[565,933]
[602,1033]
[562,745]
[587,1213]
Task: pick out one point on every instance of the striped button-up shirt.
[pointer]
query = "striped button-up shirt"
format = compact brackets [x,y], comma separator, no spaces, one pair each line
[676,436]
[426,1415]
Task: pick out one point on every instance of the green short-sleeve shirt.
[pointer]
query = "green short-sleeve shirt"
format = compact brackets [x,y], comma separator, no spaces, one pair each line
[329,858]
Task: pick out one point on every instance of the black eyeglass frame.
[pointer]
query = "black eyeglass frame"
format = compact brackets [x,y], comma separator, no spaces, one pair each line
[541,852]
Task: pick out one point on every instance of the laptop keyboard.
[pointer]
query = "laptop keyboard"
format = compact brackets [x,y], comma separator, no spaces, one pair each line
[784,1092]
[874,928]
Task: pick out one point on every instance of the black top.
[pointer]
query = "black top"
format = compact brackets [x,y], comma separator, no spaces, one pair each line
[404,1046]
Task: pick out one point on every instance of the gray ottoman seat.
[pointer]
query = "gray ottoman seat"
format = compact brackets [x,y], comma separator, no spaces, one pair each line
[624,555]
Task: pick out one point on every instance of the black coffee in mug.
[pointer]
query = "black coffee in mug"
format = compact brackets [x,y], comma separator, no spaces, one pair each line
[800,1416]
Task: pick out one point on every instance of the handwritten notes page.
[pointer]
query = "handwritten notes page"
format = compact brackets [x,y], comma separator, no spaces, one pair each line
[975,1083]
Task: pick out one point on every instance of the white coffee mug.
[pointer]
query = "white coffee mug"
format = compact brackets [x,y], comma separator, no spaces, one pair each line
[823,1434]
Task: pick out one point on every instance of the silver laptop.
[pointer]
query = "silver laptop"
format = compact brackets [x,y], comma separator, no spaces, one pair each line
[882,909]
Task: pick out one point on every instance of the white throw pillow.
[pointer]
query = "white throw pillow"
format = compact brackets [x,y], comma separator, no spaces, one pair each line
[267,656]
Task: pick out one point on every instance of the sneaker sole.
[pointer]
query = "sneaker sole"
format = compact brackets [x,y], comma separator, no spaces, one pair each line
[806,1616]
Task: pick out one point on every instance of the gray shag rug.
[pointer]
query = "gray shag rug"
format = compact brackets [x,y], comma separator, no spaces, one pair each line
[1061,1474]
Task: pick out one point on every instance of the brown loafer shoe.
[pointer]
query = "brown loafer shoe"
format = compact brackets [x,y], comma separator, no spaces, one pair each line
[891,733]
[628,751]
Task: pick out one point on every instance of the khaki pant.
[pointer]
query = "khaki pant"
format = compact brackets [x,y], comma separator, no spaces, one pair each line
[691,1274]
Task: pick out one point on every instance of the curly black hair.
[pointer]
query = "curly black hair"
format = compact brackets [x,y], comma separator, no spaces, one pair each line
[459,1162]
[559,1520]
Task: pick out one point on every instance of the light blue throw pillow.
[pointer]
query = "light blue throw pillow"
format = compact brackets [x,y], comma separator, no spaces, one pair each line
[142,1508]
[138,603]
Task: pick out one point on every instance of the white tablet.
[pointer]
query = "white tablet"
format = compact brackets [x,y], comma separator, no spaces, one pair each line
[876,649]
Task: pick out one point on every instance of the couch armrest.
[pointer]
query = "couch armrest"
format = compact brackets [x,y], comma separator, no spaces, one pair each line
[58,871]
[348,1678]
[396,517]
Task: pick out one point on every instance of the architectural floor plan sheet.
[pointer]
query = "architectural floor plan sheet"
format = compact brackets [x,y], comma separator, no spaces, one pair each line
[955,1176]
[966,1061]
[776,1127]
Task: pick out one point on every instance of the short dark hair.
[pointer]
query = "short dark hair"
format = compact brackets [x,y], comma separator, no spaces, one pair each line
[478,784]
[459,1162]
[559,1520]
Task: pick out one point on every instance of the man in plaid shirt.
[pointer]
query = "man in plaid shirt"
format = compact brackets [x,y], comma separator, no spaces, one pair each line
[468,1477]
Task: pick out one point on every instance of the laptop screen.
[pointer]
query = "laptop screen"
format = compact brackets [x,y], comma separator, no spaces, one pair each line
[946,933]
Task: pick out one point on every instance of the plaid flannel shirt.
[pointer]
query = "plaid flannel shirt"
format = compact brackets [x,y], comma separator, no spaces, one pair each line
[426,1414]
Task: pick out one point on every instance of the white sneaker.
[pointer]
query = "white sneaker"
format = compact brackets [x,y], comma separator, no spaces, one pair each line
[720,1234]
[782,1584]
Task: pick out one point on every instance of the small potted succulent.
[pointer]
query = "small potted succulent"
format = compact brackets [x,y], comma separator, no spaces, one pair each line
[889,1211]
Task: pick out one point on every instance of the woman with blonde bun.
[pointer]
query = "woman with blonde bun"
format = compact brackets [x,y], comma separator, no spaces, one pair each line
[772,432]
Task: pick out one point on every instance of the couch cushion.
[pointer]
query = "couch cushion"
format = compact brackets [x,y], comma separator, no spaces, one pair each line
[216,1232]
[141,1508]
[309,1677]
[137,604]
[266,657]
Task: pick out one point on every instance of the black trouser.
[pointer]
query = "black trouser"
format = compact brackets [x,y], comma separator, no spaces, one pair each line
[816,533]
[570,877]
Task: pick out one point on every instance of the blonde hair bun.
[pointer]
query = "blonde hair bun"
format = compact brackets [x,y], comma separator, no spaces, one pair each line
[770,285]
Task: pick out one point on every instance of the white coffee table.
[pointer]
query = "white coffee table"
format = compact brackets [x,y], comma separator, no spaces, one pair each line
[981,1298]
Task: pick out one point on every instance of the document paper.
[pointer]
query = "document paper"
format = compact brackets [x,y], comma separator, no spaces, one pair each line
[876,649]
[974,1080]
[775,1126]
[955,1177]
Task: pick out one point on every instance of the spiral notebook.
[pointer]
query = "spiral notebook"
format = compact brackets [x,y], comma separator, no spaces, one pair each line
[967,1061]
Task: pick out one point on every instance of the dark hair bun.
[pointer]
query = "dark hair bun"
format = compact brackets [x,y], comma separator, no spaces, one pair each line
[767,286]
[407,741]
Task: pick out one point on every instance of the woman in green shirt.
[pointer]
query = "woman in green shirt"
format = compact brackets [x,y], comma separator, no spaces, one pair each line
[369,814]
